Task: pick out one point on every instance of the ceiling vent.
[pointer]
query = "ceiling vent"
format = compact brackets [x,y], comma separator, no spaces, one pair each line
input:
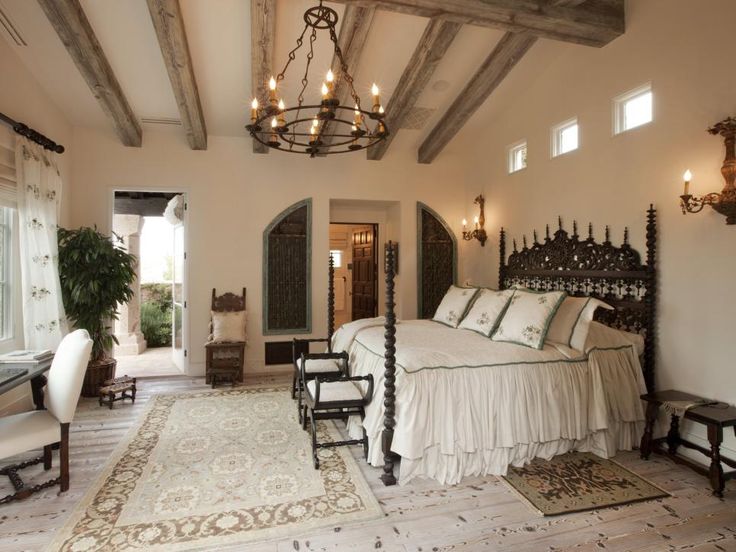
[160,121]
[10,27]
[417,118]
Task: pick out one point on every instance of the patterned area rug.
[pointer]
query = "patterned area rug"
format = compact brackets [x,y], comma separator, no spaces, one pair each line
[578,481]
[217,468]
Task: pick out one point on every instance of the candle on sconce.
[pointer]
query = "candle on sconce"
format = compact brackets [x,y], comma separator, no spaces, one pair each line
[313,135]
[376,98]
[358,120]
[687,177]
[325,92]
[254,111]
[465,224]
[475,221]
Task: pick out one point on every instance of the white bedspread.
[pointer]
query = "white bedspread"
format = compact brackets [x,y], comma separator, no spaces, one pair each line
[467,405]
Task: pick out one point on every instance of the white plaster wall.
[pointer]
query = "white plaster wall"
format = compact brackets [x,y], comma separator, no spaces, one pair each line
[234,194]
[686,50]
[22,98]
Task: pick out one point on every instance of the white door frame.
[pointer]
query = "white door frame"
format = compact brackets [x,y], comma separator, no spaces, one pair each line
[185,286]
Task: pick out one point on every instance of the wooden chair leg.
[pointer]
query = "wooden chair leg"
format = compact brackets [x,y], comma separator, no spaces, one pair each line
[64,457]
[47,457]
[314,441]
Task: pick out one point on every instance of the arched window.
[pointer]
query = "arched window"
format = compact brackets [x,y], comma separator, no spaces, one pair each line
[437,256]
[287,271]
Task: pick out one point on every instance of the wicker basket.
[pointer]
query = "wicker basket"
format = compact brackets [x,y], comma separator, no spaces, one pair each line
[97,373]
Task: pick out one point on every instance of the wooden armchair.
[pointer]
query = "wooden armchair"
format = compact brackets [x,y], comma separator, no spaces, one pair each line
[225,360]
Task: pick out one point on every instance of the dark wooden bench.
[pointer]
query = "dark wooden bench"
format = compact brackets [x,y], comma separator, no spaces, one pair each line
[715,418]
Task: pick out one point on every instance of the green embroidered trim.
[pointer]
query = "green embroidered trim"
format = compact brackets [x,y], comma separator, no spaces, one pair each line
[575,325]
[584,358]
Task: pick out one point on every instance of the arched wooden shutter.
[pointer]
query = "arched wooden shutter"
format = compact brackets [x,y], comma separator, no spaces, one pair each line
[287,271]
[437,255]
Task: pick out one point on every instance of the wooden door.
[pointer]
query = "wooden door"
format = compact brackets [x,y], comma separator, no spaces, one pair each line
[364,273]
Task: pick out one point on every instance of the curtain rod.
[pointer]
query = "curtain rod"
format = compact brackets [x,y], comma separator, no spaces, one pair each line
[33,135]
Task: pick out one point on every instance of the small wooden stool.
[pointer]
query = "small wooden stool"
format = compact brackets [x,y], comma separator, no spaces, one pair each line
[715,418]
[120,385]
[336,399]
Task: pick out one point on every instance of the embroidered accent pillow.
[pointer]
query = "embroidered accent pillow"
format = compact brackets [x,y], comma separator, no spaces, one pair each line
[486,311]
[571,323]
[528,317]
[228,326]
[454,305]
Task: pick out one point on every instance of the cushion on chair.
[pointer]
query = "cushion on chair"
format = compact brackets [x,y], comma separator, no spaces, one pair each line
[66,375]
[228,327]
[27,431]
[333,391]
[319,365]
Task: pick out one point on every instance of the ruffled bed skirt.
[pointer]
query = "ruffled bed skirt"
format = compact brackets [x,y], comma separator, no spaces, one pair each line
[452,423]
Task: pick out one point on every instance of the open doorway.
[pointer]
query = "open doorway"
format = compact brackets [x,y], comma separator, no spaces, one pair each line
[354,249]
[151,327]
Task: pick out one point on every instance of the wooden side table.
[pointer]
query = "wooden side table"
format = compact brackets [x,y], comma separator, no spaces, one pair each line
[713,417]
[225,361]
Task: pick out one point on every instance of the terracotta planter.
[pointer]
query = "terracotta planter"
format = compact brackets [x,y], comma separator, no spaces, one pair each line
[96,374]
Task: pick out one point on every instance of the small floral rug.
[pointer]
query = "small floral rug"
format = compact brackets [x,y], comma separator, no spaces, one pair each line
[578,481]
[216,468]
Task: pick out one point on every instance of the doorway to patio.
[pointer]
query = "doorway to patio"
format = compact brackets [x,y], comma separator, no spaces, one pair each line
[151,327]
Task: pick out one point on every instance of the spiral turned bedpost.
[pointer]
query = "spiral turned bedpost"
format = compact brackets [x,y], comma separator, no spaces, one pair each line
[650,299]
[389,394]
[331,299]
[502,259]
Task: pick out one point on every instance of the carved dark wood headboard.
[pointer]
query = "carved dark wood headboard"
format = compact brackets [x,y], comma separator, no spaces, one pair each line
[614,274]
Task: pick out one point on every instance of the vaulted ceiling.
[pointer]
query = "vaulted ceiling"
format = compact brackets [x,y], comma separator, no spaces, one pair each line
[192,66]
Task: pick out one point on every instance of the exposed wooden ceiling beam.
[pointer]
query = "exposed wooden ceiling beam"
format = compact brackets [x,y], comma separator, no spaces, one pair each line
[356,23]
[71,24]
[172,37]
[596,23]
[509,50]
[262,34]
[435,41]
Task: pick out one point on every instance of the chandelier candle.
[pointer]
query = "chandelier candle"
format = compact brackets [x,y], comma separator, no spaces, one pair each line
[272,92]
[281,118]
[254,111]
[376,98]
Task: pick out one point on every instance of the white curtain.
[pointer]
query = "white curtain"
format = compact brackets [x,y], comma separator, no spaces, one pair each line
[39,196]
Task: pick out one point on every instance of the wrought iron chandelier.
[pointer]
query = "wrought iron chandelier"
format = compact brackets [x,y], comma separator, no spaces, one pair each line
[325,128]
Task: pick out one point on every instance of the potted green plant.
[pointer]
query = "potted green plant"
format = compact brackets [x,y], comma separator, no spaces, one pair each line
[96,276]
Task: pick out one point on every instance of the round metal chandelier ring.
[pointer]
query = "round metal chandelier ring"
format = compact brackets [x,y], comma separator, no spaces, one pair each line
[350,141]
[321,17]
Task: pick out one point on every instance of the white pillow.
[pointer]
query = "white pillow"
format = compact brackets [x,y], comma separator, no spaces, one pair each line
[228,326]
[454,305]
[527,318]
[570,325]
[486,311]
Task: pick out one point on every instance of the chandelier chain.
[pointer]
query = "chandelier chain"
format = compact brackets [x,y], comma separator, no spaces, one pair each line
[344,67]
[292,54]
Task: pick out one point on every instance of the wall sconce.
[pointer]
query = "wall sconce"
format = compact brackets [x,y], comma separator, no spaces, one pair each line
[725,202]
[479,232]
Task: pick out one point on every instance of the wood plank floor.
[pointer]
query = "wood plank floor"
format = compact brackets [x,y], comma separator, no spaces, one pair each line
[478,514]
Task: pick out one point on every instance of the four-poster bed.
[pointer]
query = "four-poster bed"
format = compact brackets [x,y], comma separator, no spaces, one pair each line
[562,262]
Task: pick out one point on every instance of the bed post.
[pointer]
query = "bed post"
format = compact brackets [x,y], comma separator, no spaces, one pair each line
[389,394]
[331,300]
[651,299]
[502,259]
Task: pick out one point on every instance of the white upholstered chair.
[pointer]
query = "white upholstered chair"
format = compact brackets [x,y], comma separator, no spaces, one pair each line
[43,428]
